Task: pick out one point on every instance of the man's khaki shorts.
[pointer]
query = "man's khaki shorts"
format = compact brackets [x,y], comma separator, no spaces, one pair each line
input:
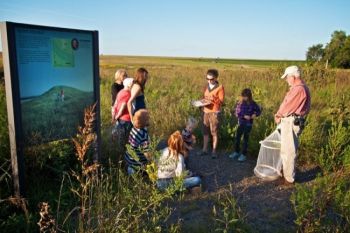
[211,123]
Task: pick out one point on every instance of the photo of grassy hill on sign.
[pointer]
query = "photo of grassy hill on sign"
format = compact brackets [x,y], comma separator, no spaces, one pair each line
[54,115]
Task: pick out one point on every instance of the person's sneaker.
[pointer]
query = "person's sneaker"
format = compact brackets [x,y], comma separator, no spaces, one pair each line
[234,155]
[283,182]
[214,155]
[242,158]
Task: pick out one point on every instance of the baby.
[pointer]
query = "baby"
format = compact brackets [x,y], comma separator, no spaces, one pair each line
[188,137]
[187,134]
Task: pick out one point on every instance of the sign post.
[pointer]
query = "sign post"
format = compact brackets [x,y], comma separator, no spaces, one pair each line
[51,75]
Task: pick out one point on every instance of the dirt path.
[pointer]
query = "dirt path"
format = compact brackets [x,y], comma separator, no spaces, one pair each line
[266,205]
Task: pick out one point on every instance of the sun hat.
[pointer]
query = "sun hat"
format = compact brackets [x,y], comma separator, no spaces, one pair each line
[128,82]
[291,70]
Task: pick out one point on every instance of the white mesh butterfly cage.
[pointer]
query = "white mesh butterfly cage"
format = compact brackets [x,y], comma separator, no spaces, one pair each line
[269,163]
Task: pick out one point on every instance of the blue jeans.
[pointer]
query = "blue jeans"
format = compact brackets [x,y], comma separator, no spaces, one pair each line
[243,129]
[120,132]
[188,183]
[130,170]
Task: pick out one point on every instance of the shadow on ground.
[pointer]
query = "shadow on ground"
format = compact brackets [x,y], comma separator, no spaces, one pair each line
[266,205]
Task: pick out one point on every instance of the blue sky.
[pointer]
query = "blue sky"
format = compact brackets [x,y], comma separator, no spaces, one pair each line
[198,28]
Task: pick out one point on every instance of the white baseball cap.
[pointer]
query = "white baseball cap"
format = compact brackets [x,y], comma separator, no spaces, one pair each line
[291,70]
[128,82]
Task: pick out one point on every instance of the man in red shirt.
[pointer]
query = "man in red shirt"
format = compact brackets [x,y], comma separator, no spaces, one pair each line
[291,117]
[121,117]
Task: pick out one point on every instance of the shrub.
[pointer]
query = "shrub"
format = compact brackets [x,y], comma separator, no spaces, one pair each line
[336,153]
[324,206]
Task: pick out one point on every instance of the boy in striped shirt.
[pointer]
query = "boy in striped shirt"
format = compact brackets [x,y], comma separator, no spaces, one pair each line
[139,141]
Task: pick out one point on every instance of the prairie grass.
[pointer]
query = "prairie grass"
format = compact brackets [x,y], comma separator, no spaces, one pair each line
[171,88]
[107,200]
[111,201]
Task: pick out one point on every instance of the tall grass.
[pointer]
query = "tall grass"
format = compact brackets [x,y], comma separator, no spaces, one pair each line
[111,201]
[107,200]
[324,206]
[228,216]
[171,88]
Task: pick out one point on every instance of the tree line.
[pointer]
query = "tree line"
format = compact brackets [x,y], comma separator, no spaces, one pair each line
[336,53]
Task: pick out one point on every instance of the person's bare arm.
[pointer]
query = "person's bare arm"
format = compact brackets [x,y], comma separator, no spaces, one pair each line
[135,91]
[277,118]
[121,109]
[194,139]
[188,147]
[113,112]
[247,117]
[148,155]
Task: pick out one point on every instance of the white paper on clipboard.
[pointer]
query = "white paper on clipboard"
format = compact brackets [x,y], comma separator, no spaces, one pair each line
[200,103]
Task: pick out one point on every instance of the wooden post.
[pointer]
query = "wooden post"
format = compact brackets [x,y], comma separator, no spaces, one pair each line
[17,161]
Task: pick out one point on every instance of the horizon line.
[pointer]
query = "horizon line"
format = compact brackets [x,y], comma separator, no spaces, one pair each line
[201,57]
[190,57]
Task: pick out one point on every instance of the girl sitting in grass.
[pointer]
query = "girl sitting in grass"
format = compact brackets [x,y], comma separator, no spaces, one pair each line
[171,164]
[246,111]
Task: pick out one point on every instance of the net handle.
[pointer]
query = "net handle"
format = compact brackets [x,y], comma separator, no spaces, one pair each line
[267,166]
[270,147]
